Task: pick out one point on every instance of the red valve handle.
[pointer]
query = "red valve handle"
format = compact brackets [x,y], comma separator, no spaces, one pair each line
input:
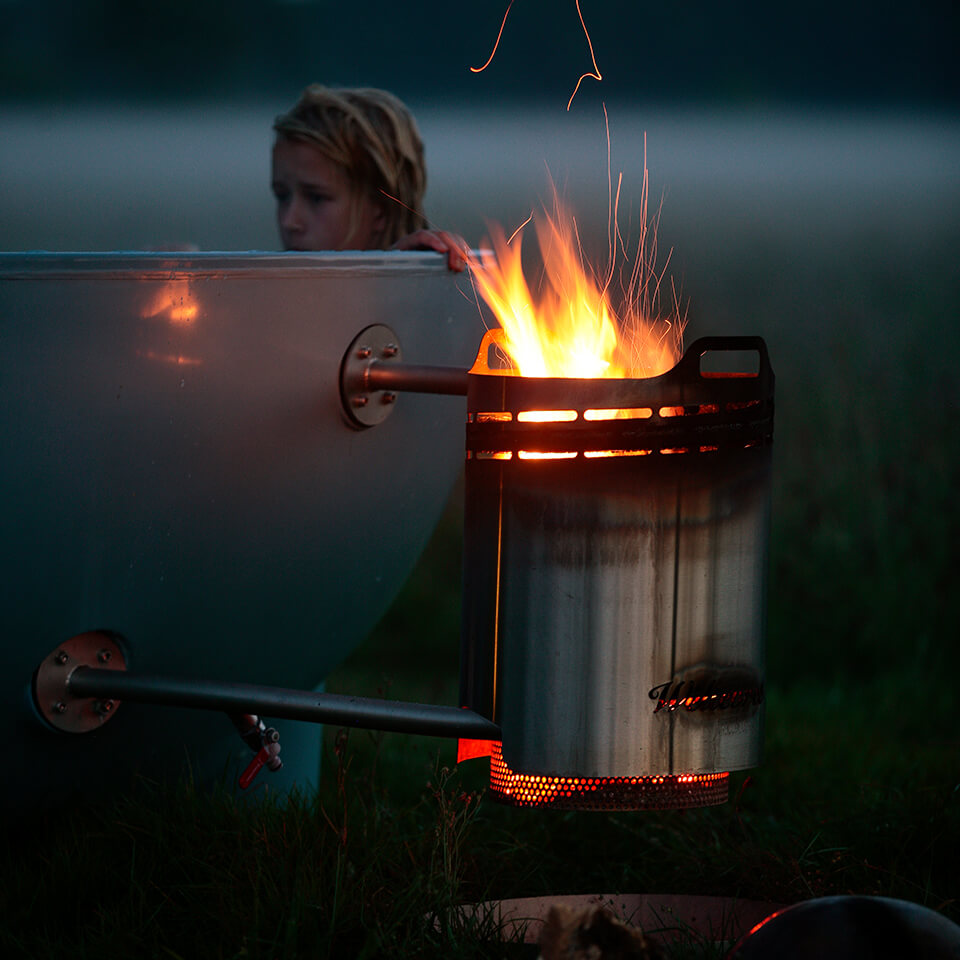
[253,767]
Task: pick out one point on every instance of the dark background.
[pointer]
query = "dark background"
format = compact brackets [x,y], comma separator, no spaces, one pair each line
[751,53]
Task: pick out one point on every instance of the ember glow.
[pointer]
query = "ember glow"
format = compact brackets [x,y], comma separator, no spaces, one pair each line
[595,72]
[496,44]
[646,792]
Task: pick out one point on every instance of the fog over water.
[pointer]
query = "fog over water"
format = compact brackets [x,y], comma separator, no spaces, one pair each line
[100,178]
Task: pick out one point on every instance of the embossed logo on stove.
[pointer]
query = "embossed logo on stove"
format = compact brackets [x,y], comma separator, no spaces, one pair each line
[709,687]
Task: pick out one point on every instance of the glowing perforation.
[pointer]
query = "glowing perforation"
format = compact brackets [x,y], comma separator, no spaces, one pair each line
[619,413]
[605,454]
[734,405]
[493,416]
[672,450]
[691,410]
[546,416]
[655,791]
[709,449]
[547,455]
[491,454]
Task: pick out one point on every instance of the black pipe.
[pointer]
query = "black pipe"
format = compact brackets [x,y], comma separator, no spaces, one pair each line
[391,715]
[414,378]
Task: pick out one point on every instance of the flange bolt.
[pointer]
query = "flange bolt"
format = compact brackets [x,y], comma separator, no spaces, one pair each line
[62,657]
[59,707]
[103,656]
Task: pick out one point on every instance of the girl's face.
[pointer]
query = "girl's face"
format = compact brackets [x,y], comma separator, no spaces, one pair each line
[315,203]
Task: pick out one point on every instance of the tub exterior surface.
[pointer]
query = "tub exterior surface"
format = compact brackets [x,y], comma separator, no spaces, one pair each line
[177,468]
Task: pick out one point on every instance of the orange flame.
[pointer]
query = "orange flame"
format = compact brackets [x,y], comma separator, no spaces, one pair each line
[571,329]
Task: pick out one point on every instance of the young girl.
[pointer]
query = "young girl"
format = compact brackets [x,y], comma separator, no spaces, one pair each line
[348,174]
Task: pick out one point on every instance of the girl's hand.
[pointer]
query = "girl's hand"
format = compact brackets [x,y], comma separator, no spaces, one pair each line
[449,243]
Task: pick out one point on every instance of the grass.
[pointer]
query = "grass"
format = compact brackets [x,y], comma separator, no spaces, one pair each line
[860,788]
[397,836]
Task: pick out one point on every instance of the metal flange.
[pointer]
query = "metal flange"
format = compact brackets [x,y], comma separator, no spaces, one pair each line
[51,683]
[364,405]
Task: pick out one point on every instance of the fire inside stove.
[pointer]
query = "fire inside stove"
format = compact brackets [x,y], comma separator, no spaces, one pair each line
[604,793]
[614,581]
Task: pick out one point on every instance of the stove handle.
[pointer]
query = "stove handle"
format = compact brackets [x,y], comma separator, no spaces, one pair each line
[689,365]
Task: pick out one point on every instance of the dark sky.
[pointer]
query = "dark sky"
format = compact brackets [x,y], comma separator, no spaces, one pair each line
[849,51]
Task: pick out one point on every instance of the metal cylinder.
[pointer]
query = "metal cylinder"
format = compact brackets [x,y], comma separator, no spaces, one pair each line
[615,573]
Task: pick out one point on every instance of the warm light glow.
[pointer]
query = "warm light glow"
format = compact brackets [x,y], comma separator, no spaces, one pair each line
[651,792]
[600,454]
[538,455]
[172,302]
[689,411]
[587,454]
[173,359]
[623,413]
[671,411]
[546,416]
[468,749]
[569,327]
[724,700]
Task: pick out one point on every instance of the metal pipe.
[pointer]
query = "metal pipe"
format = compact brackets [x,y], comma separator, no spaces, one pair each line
[390,715]
[415,378]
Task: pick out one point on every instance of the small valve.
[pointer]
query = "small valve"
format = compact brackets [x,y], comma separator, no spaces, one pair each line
[265,756]
[264,741]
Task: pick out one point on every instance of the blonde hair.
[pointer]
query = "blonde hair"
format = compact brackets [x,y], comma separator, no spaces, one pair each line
[373,138]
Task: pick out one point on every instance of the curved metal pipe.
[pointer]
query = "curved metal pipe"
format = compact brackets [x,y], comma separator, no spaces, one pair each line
[390,715]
